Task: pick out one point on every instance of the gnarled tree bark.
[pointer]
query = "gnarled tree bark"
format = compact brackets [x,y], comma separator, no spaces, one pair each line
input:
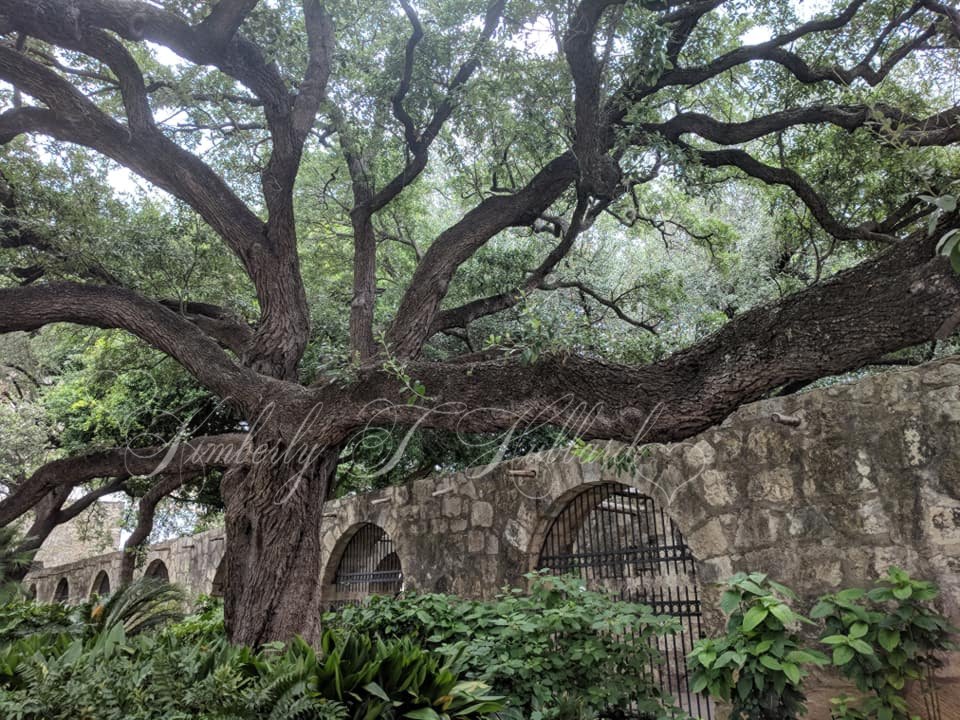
[274,493]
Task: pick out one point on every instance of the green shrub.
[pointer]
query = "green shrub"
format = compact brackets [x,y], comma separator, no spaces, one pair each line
[759,665]
[188,670]
[139,606]
[147,677]
[882,639]
[557,651]
[204,624]
[20,617]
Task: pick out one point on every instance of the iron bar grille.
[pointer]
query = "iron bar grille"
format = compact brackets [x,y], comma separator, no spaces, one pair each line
[616,539]
[369,566]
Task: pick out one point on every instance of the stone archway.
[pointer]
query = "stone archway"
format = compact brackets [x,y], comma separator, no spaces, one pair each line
[101,585]
[157,570]
[62,592]
[618,539]
[364,562]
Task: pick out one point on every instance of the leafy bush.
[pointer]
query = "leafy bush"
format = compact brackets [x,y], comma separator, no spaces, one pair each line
[204,624]
[759,665]
[557,651]
[883,639]
[112,677]
[138,606]
[20,617]
[115,663]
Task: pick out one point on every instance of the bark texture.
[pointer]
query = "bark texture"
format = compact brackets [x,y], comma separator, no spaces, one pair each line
[273,561]
[276,482]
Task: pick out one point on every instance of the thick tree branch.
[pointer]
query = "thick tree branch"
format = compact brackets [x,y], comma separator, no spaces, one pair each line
[784,176]
[599,175]
[458,243]
[900,126]
[135,21]
[774,50]
[420,150]
[685,22]
[50,513]
[410,133]
[183,458]
[71,117]
[368,200]
[30,308]
[903,297]
[146,511]
[465,314]
[225,20]
[268,252]
[220,324]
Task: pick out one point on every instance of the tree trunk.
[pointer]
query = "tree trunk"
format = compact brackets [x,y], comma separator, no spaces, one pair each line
[274,512]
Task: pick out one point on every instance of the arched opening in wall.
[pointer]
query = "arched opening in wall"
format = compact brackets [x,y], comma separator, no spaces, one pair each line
[62,593]
[616,539]
[369,565]
[219,587]
[101,585]
[32,592]
[157,570]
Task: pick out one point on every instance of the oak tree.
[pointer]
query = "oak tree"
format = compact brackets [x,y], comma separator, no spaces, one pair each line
[293,130]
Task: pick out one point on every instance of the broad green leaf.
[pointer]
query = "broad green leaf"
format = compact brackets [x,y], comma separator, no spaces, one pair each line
[858,630]
[782,613]
[768,661]
[861,647]
[754,617]
[842,654]
[888,639]
[792,672]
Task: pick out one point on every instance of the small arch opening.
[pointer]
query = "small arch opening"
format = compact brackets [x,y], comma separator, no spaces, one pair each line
[101,585]
[369,565]
[157,570]
[62,593]
[32,592]
[615,538]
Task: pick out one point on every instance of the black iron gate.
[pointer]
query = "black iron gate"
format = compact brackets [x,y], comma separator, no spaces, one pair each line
[369,566]
[617,539]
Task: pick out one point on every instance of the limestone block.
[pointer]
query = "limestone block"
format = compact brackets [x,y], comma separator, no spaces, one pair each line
[775,486]
[451,506]
[476,541]
[481,514]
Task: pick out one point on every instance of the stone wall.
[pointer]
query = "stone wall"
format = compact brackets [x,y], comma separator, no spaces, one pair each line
[822,490]
[95,532]
[191,561]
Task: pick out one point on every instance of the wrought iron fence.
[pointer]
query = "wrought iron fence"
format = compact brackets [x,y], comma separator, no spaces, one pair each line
[615,538]
[369,566]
